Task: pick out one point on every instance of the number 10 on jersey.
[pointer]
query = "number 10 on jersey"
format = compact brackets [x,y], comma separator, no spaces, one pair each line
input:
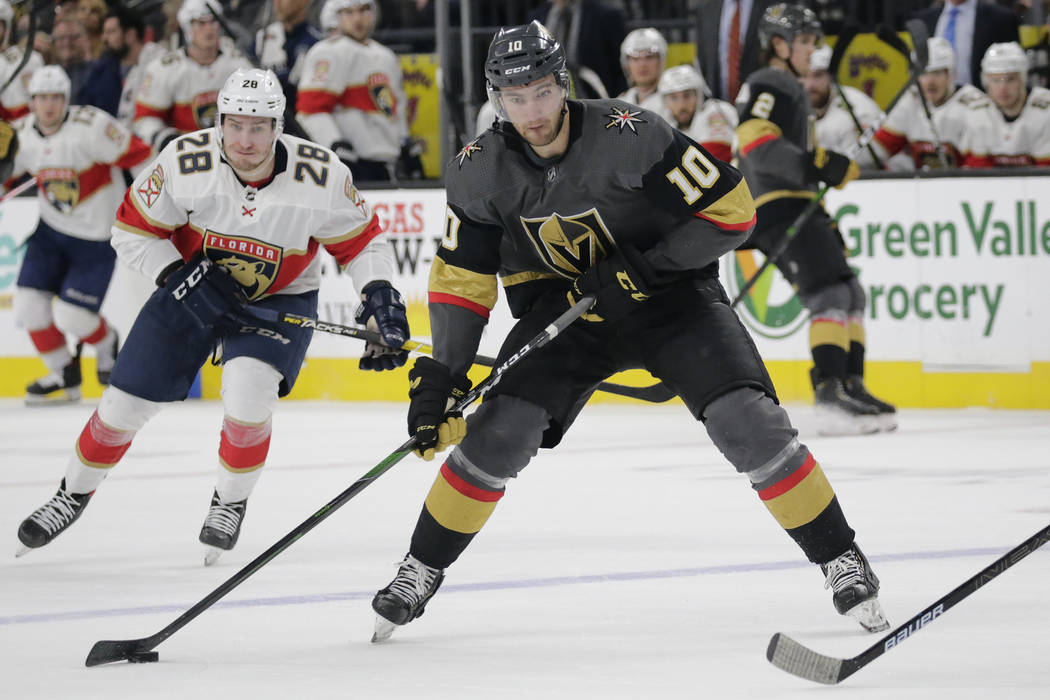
[700,173]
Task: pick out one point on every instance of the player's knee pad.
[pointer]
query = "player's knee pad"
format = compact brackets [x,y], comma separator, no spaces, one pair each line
[858,300]
[75,320]
[249,389]
[750,429]
[32,308]
[835,297]
[121,411]
[503,435]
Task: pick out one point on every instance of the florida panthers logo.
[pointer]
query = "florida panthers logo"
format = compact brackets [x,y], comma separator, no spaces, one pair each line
[204,108]
[61,187]
[570,244]
[253,263]
[381,93]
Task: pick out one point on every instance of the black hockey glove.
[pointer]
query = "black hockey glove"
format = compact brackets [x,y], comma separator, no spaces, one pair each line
[831,168]
[8,150]
[163,137]
[344,151]
[618,286]
[206,291]
[433,390]
[383,310]
[409,166]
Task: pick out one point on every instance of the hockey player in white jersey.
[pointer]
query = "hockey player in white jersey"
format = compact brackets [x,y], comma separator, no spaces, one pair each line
[228,221]
[706,120]
[14,101]
[1012,129]
[351,98]
[76,155]
[643,55]
[178,91]
[836,129]
[907,126]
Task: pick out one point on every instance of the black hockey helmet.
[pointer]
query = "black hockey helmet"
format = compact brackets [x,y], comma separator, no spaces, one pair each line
[787,21]
[520,55]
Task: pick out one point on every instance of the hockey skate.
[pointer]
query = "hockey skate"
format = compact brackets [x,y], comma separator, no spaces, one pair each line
[106,356]
[54,389]
[887,412]
[50,519]
[855,589]
[221,528]
[405,597]
[838,413]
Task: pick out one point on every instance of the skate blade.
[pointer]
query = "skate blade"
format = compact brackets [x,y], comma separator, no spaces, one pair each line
[870,615]
[60,399]
[384,628]
[22,550]
[837,425]
[887,422]
[211,554]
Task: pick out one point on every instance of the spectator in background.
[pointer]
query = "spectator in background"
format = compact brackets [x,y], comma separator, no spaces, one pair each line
[591,34]
[970,27]
[643,56]
[72,52]
[91,14]
[115,76]
[726,62]
[711,123]
[14,101]
[282,45]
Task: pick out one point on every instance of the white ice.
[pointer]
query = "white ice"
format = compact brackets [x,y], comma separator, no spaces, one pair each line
[632,562]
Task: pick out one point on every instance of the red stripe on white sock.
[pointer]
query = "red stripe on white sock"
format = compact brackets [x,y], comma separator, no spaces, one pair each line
[100,445]
[99,333]
[47,339]
[244,446]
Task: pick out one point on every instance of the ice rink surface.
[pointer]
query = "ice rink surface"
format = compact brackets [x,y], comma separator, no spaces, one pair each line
[631,562]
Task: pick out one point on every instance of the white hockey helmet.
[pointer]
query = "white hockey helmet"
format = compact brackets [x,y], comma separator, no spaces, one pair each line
[942,55]
[196,9]
[252,92]
[1007,57]
[49,80]
[680,78]
[820,59]
[330,15]
[7,16]
[642,41]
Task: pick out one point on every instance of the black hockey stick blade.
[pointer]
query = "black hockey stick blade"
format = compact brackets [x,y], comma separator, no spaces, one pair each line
[891,38]
[839,50]
[788,655]
[132,650]
[916,28]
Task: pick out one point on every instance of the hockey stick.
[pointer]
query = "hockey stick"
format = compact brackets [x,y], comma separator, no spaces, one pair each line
[862,141]
[141,650]
[919,36]
[31,182]
[655,393]
[788,655]
[845,37]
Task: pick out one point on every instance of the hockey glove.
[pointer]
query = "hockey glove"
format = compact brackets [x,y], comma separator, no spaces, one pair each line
[832,168]
[618,287]
[432,392]
[206,291]
[409,166]
[8,150]
[383,310]
[344,151]
[163,137]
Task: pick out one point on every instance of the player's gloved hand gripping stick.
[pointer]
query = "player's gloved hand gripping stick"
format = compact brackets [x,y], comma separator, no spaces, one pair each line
[141,650]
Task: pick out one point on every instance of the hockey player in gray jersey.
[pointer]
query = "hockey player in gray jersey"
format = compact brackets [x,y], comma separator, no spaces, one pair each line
[567,198]
[784,169]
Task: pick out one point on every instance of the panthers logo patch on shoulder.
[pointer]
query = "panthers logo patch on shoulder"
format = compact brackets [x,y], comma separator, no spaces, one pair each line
[622,118]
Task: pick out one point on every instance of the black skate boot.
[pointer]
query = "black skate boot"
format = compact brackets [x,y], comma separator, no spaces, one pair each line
[404,598]
[50,519]
[855,589]
[221,527]
[53,389]
[838,413]
[887,412]
[106,356]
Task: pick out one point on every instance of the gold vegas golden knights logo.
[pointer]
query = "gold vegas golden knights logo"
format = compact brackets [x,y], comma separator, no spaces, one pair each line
[570,244]
[251,262]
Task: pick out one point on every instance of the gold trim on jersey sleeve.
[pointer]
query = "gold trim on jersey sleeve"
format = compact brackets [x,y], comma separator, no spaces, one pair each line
[345,237]
[457,281]
[530,276]
[783,194]
[734,207]
[754,129]
[150,220]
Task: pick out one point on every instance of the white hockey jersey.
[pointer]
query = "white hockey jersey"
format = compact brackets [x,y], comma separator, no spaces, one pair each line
[267,234]
[713,127]
[991,141]
[14,101]
[178,92]
[77,168]
[126,109]
[352,91]
[907,126]
[836,130]
[654,102]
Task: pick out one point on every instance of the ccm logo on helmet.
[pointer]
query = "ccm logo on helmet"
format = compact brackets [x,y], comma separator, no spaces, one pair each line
[519,69]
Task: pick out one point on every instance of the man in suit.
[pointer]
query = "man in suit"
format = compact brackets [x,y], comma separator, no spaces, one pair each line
[591,34]
[716,20]
[971,27]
